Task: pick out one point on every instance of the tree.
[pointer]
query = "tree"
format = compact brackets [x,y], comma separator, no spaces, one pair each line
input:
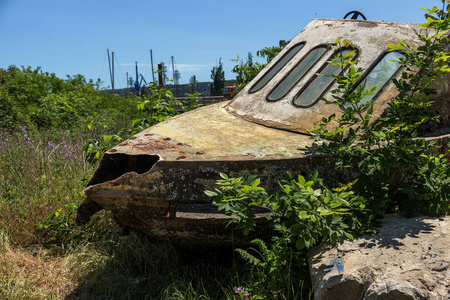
[218,77]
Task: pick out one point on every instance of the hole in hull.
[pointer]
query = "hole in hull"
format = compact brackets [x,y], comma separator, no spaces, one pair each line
[112,166]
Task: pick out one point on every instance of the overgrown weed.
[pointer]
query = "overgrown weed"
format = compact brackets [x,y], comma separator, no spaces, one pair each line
[38,175]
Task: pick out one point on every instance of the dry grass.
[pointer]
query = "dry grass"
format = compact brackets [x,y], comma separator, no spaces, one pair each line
[32,274]
[119,268]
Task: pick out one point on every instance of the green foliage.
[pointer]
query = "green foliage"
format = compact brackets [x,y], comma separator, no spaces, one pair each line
[218,77]
[396,170]
[237,196]
[193,102]
[40,99]
[276,268]
[95,148]
[156,106]
[303,213]
[245,72]
[38,174]
[59,227]
[269,52]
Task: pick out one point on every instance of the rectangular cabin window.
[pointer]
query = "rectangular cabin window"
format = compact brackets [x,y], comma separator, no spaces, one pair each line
[320,83]
[297,73]
[276,67]
[380,74]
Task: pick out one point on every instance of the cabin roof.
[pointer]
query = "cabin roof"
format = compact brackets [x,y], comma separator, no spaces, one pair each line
[371,40]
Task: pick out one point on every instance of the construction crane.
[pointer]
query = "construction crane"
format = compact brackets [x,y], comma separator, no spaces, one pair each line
[138,82]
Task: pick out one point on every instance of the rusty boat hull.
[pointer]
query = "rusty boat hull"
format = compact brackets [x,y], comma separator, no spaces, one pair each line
[154,182]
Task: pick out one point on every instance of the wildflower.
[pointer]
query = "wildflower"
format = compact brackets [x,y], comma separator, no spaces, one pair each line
[241,291]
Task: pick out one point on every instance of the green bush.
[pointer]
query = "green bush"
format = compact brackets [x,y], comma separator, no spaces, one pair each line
[397,170]
[304,213]
[38,99]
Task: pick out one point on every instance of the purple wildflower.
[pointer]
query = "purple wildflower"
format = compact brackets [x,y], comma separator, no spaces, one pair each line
[241,291]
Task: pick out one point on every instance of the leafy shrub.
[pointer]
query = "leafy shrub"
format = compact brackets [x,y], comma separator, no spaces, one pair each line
[95,148]
[304,213]
[39,99]
[59,227]
[397,171]
[156,106]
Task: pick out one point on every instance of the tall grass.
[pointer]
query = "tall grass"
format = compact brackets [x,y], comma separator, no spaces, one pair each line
[38,174]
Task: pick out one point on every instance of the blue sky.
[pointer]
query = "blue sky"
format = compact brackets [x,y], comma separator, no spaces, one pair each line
[69,37]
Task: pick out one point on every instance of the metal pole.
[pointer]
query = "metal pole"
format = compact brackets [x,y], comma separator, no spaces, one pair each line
[173,69]
[109,64]
[160,75]
[151,58]
[137,87]
[112,81]
[174,79]
[195,85]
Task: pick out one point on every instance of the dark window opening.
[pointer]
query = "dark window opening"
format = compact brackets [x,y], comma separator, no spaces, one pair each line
[319,84]
[112,166]
[297,73]
[276,67]
[380,74]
